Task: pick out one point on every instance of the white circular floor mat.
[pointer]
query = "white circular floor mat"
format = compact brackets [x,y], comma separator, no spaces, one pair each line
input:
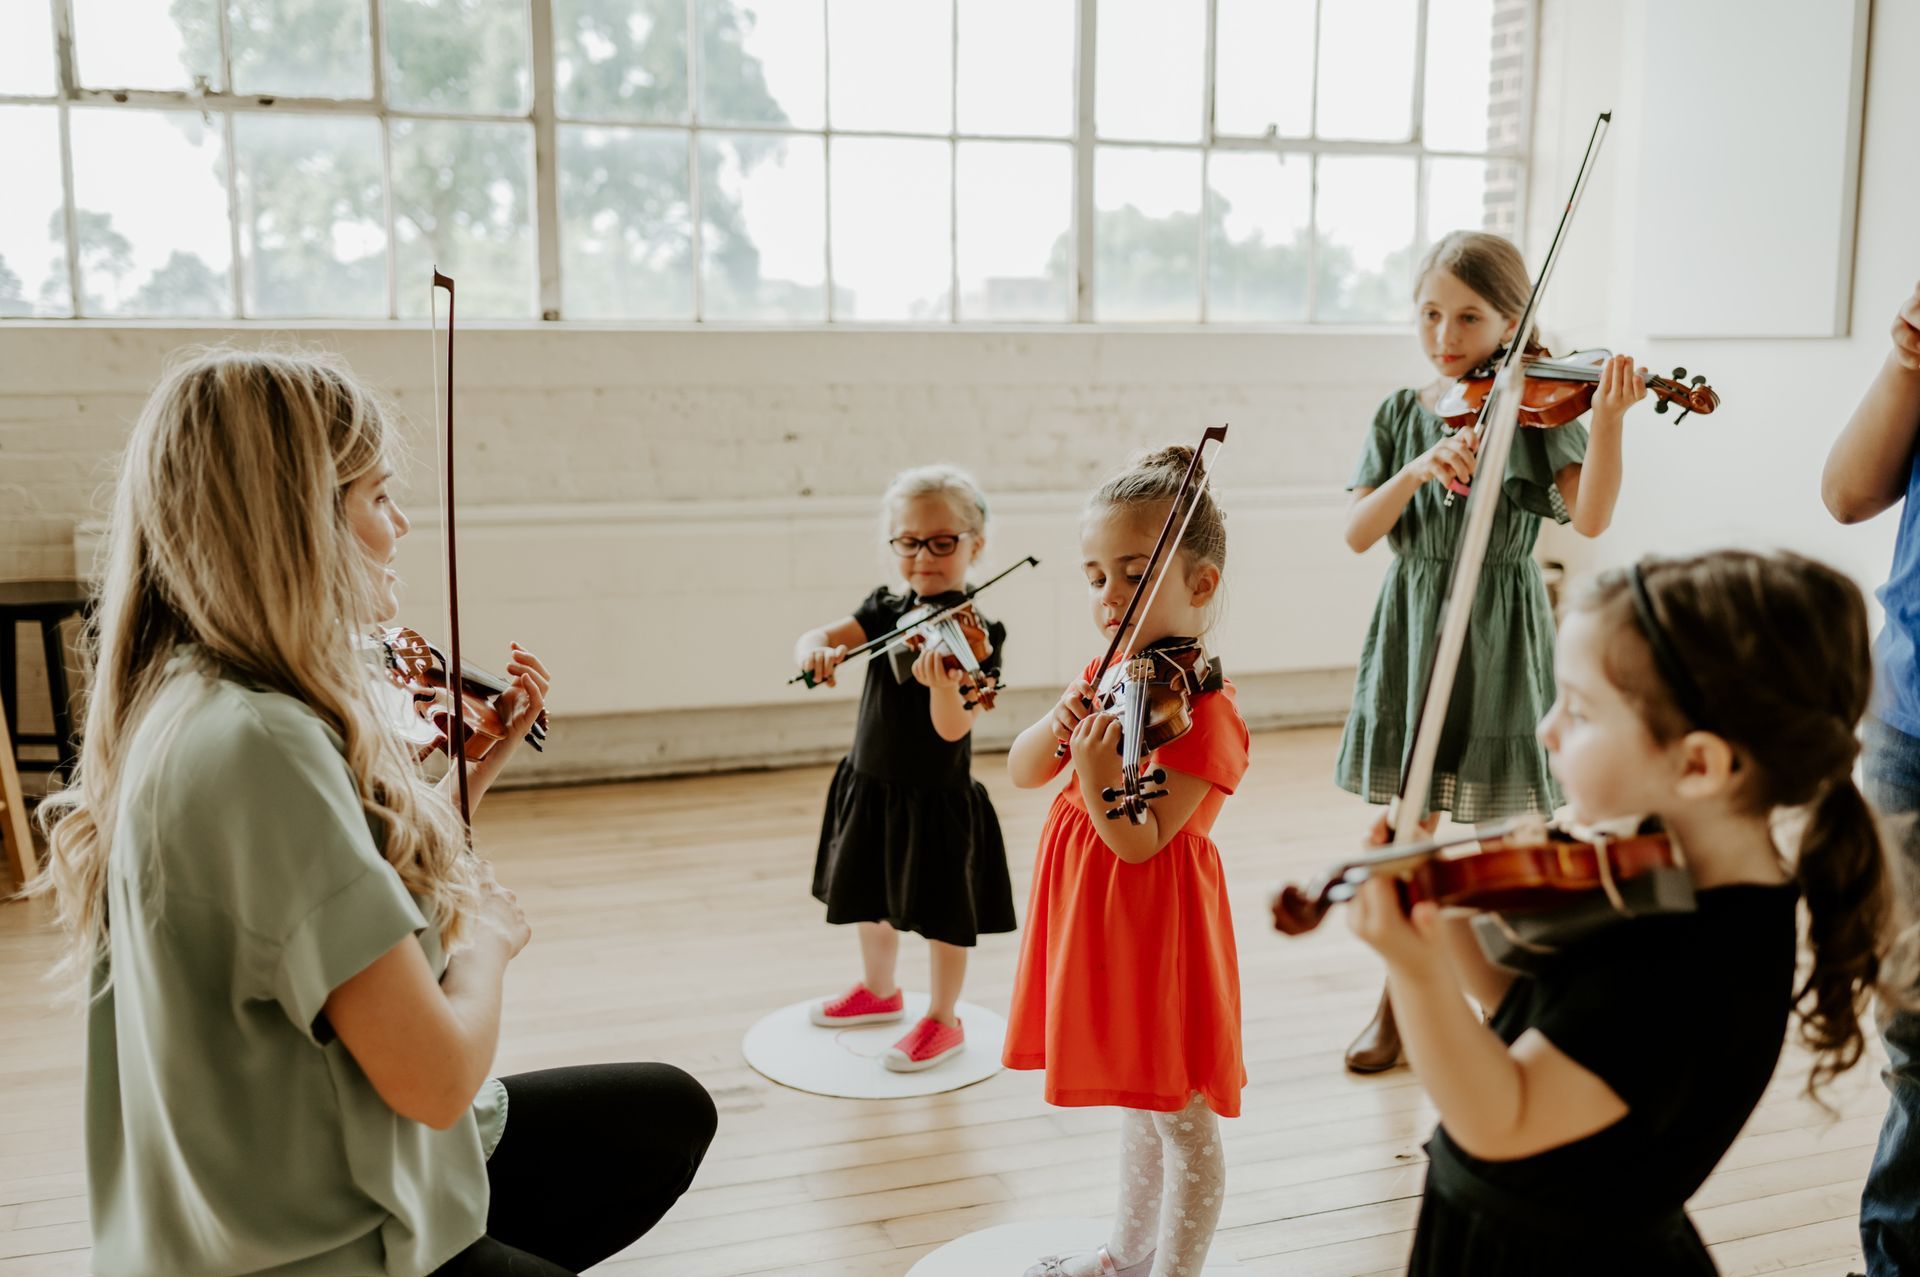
[1010,1249]
[788,1048]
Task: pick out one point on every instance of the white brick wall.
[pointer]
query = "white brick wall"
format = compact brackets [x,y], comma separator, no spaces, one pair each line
[590,434]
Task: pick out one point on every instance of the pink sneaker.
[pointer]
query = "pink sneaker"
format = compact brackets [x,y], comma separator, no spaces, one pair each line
[858,1005]
[925,1045]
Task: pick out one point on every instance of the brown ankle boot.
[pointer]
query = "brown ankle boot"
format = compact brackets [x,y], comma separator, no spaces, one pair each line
[1377,1049]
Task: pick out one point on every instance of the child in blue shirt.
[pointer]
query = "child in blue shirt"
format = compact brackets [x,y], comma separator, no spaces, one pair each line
[1871,468]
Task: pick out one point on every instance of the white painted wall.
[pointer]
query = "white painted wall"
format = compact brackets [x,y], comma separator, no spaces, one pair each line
[1749,474]
[660,513]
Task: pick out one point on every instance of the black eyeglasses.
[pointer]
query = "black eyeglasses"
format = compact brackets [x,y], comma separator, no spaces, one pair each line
[939,547]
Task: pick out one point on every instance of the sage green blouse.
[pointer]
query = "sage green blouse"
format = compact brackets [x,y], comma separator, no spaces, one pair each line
[228,1131]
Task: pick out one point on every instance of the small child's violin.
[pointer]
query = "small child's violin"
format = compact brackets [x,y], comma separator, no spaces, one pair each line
[1151,693]
[417,670]
[1543,886]
[959,636]
[1556,391]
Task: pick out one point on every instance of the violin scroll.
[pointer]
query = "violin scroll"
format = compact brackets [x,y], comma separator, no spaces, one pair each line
[1557,390]
[1295,912]
[1693,396]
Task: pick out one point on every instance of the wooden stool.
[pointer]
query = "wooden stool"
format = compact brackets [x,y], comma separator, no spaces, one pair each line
[14,830]
[49,604]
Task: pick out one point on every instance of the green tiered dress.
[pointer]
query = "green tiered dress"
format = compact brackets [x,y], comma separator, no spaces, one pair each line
[1489,765]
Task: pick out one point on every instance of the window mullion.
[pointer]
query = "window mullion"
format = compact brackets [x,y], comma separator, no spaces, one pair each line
[1083,157]
[953,165]
[826,138]
[695,206]
[233,214]
[224,26]
[67,69]
[546,162]
[1206,157]
[1313,96]
[1313,176]
[1417,127]
[1530,99]
[376,49]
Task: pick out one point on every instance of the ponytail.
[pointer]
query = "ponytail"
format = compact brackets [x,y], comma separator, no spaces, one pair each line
[1843,878]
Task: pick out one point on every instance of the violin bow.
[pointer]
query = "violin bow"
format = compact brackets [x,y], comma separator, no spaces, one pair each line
[1213,434]
[1515,354]
[1502,411]
[1193,503]
[443,413]
[893,636]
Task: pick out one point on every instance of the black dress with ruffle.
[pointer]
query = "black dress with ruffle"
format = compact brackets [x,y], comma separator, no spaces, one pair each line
[910,838]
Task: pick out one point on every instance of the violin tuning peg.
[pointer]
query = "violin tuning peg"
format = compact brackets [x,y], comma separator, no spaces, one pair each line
[1157,777]
[1660,405]
[1110,795]
[1684,413]
[1698,380]
[1679,374]
[1113,813]
[1149,797]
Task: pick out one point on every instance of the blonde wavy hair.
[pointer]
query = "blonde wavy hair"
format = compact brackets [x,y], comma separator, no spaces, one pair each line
[229,531]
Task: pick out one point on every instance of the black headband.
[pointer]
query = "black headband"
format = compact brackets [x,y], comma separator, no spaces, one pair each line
[1686,692]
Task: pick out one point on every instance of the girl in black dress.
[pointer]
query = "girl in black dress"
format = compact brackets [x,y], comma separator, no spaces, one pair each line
[910,841]
[1708,692]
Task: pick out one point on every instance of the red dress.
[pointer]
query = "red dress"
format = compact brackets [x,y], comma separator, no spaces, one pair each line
[1128,991]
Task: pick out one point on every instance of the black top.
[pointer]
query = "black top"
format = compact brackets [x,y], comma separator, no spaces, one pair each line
[895,739]
[1683,1016]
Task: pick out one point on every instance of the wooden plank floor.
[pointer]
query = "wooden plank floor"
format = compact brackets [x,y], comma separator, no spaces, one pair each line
[669,915]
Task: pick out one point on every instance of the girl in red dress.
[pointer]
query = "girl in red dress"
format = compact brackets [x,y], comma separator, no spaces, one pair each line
[1129,986]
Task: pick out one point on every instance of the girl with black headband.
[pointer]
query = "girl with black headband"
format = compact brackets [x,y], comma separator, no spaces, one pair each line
[1707,692]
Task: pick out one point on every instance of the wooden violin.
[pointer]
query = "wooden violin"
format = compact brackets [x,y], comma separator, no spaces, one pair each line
[1555,391]
[1545,886]
[960,637]
[1151,693]
[418,671]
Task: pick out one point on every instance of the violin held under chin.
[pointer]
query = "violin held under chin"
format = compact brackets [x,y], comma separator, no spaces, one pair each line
[413,674]
[1535,889]
[959,635]
[1151,694]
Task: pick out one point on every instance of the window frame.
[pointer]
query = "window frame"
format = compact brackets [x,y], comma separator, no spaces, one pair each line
[545,120]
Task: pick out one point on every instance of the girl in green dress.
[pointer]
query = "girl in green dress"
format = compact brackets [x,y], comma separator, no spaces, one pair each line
[1468,297]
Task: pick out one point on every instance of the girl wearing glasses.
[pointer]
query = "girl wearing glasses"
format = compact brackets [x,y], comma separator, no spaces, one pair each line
[910,841]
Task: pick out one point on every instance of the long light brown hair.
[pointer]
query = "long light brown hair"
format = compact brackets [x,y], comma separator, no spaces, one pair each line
[1491,266]
[229,533]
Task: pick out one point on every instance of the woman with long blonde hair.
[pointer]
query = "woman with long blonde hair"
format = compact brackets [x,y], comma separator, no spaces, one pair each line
[294,963]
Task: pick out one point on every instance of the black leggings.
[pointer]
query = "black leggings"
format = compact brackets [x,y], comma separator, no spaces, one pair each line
[592,1157]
